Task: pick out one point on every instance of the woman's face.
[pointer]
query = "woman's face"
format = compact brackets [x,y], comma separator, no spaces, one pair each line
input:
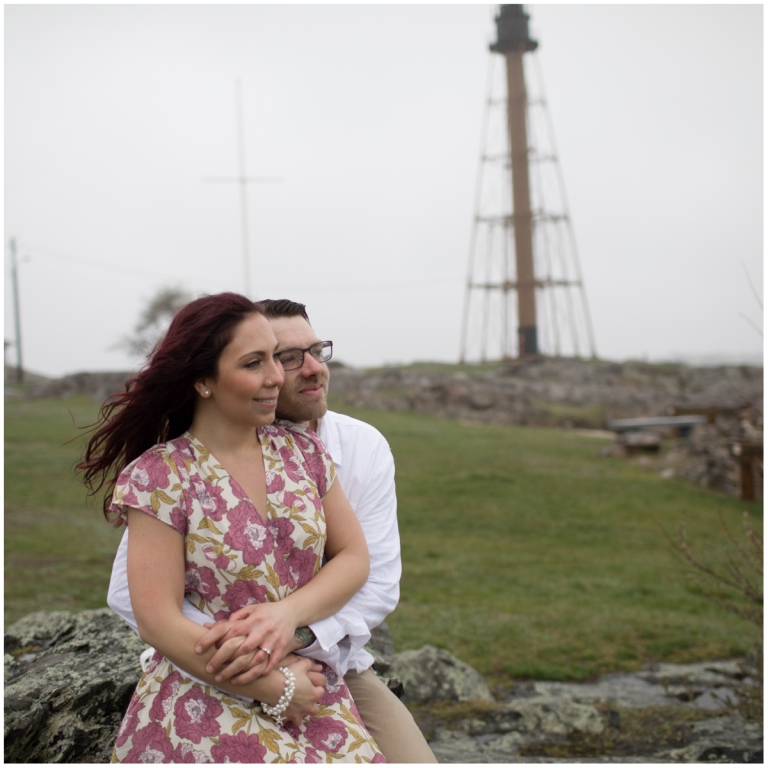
[249,378]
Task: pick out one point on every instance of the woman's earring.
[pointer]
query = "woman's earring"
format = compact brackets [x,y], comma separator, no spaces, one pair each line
[207,393]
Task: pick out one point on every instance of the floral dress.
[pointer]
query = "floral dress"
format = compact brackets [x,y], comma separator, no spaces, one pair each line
[234,559]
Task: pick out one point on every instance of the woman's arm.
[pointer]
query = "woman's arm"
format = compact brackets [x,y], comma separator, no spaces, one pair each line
[272,625]
[156,581]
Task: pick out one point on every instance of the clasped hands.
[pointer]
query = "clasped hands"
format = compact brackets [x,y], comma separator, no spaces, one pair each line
[240,656]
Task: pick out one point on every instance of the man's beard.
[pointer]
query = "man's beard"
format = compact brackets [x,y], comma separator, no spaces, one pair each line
[292,407]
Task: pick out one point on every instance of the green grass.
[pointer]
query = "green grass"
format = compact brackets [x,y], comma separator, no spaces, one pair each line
[58,550]
[557,414]
[524,554]
[527,556]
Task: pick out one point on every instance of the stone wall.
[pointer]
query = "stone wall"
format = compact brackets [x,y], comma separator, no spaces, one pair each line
[550,391]
[543,391]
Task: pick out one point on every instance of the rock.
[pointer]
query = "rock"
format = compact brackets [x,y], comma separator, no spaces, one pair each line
[554,716]
[708,674]
[433,674]
[547,713]
[722,740]
[543,715]
[68,680]
[69,677]
[381,647]
[639,441]
[521,391]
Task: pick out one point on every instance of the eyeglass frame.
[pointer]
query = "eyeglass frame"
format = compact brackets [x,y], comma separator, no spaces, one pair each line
[323,346]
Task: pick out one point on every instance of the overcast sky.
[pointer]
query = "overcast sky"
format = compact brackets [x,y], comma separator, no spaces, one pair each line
[371,118]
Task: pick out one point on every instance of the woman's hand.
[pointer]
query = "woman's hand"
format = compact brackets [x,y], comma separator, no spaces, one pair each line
[264,626]
[238,667]
[310,688]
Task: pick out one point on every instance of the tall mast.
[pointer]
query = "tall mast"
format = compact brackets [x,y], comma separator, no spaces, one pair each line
[513,41]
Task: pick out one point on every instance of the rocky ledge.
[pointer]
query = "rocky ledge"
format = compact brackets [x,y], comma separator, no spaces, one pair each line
[68,679]
[666,713]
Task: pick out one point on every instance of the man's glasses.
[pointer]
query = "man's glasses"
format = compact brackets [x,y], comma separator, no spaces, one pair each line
[292,359]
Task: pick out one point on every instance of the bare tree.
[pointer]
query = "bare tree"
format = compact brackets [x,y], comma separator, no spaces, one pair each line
[738,572]
[154,320]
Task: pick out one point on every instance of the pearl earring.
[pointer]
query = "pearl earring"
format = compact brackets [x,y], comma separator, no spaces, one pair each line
[207,393]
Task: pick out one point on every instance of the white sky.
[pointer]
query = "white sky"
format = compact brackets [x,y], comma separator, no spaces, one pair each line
[371,116]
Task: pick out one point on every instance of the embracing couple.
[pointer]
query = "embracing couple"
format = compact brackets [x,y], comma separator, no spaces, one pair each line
[261,549]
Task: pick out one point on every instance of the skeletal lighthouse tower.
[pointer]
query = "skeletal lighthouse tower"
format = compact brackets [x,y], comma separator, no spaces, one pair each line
[513,41]
[528,216]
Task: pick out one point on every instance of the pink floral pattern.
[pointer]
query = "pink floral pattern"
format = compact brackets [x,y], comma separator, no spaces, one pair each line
[150,745]
[210,498]
[130,721]
[149,475]
[243,593]
[248,534]
[275,482]
[296,568]
[335,689]
[236,556]
[201,580]
[179,520]
[239,749]
[326,733]
[217,557]
[291,464]
[196,714]
[282,534]
[314,465]
[163,702]
[186,753]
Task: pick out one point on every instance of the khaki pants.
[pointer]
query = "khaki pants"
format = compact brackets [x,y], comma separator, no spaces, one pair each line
[388,720]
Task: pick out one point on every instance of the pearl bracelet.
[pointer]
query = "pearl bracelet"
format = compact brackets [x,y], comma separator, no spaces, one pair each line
[276,712]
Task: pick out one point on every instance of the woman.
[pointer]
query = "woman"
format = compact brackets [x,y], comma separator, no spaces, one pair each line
[229,509]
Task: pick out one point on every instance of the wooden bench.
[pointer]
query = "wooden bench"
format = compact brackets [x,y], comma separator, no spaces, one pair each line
[681,426]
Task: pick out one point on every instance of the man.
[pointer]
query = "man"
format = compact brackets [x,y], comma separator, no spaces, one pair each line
[366,471]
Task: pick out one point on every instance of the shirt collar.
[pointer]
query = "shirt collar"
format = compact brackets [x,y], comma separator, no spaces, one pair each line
[328,432]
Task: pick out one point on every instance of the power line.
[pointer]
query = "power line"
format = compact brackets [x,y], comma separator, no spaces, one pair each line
[39,250]
[335,288]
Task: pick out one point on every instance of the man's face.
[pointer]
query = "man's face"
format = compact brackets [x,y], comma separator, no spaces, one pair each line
[303,396]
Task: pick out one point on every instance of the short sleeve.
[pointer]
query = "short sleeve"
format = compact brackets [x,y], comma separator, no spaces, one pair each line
[151,484]
[317,461]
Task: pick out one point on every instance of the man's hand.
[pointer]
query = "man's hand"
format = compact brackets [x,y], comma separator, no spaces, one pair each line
[265,626]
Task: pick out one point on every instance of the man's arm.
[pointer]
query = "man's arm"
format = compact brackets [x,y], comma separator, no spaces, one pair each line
[342,635]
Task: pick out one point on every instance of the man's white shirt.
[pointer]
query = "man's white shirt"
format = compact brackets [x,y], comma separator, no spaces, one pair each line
[366,470]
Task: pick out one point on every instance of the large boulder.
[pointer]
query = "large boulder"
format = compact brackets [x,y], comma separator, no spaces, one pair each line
[433,674]
[68,680]
[543,715]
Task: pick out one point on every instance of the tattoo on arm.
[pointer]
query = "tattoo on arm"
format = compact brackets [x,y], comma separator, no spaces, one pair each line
[305,636]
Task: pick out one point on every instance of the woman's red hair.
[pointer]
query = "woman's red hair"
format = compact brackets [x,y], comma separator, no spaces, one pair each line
[158,403]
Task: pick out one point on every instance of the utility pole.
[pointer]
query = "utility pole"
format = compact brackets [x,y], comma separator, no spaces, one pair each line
[16,312]
[243,181]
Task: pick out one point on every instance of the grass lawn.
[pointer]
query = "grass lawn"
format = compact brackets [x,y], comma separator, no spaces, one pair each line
[524,554]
